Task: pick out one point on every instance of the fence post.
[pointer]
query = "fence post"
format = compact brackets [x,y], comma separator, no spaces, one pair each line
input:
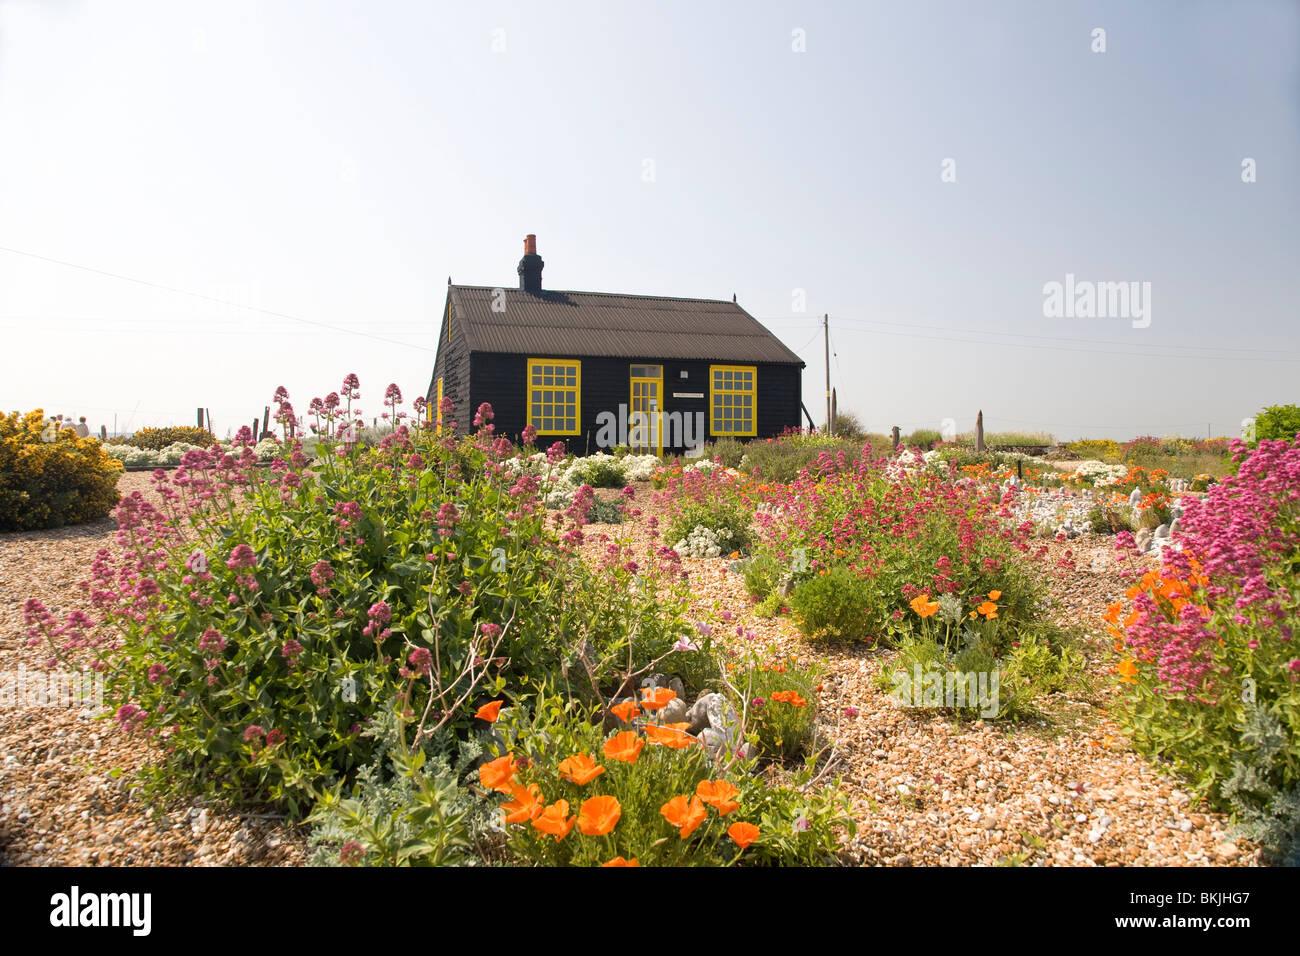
[894,432]
[979,431]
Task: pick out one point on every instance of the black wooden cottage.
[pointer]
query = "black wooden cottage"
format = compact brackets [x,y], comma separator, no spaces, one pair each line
[597,370]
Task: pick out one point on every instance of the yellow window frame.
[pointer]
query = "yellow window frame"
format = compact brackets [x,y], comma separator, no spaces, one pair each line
[438,407]
[741,391]
[530,389]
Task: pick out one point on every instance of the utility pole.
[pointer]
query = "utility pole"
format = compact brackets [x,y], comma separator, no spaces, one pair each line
[826,339]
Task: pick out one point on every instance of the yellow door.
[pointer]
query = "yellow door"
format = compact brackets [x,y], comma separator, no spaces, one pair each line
[645,423]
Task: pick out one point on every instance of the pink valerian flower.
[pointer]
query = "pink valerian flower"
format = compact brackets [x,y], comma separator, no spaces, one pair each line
[448,517]
[490,630]
[850,712]
[380,614]
[157,672]
[393,394]
[351,387]
[254,732]
[129,716]
[346,512]
[290,650]
[556,453]
[242,557]
[281,395]
[274,737]
[332,401]
[415,462]
[421,659]
[529,435]
[483,415]
[321,573]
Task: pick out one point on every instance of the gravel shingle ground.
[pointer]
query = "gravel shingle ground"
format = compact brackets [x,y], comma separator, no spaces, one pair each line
[926,790]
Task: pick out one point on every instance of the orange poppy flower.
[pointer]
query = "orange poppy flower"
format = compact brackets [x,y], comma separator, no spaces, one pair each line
[1128,670]
[625,711]
[994,595]
[791,697]
[669,737]
[597,816]
[656,697]
[1112,612]
[677,725]
[743,833]
[580,769]
[923,606]
[719,794]
[555,820]
[686,813]
[498,774]
[988,609]
[625,746]
[527,803]
[490,712]
[973,615]
[619,861]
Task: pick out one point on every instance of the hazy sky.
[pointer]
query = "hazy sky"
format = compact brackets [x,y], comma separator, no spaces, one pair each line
[334,162]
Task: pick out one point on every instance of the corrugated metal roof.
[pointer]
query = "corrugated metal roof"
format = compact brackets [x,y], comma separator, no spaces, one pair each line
[614,326]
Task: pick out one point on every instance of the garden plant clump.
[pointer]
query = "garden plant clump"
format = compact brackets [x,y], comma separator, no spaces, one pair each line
[1206,647]
[874,553]
[50,477]
[361,635]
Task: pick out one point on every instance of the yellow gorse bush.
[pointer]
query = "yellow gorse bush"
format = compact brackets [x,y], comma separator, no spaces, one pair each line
[50,479]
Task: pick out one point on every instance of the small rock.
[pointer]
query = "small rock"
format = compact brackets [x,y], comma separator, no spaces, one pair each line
[671,713]
[697,715]
[1227,852]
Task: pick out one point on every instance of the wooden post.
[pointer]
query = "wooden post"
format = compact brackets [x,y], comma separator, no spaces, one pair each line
[256,436]
[826,339]
[979,431]
[103,433]
[1020,474]
[894,431]
[266,421]
[209,412]
[835,409]
[199,422]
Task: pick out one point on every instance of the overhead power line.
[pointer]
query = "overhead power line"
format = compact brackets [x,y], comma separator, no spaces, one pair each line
[215,299]
[864,325]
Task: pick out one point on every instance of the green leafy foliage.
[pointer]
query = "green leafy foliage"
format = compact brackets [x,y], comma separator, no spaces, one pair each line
[159,438]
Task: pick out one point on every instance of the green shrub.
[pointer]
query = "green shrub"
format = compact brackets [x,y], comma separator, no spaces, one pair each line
[49,479]
[782,459]
[848,425]
[922,438]
[727,519]
[599,471]
[1278,422]
[1109,519]
[604,511]
[834,604]
[729,451]
[332,577]
[159,438]
[764,573]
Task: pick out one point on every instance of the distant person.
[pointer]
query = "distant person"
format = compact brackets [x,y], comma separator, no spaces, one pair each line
[83,430]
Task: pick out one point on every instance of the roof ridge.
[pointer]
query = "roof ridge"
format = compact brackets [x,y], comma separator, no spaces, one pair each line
[620,295]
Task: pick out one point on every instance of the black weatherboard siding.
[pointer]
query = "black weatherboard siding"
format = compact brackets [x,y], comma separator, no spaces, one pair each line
[488,335]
